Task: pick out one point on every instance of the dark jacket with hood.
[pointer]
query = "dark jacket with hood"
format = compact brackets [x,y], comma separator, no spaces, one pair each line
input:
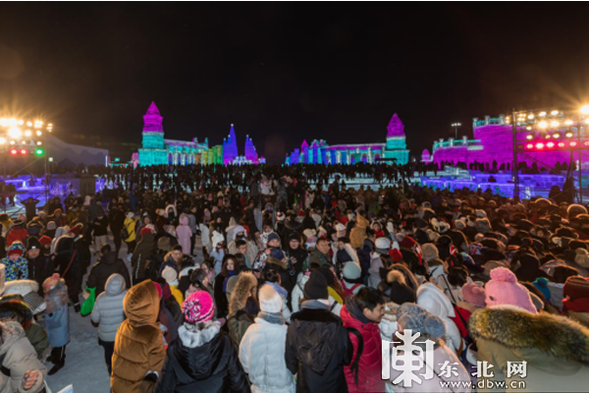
[317,348]
[108,265]
[141,255]
[202,361]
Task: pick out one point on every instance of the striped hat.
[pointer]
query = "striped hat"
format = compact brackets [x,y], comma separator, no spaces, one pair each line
[198,308]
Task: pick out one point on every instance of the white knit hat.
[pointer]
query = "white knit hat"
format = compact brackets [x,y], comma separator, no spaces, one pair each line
[170,275]
[270,300]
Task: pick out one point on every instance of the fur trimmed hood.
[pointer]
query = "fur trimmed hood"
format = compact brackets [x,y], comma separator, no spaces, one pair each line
[194,339]
[246,281]
[517,328]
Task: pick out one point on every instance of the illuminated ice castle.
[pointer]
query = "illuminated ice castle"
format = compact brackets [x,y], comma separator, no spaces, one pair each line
[393,151]
[156,150]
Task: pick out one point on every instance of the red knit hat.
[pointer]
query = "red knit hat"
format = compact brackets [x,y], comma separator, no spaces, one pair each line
[76,229]
[15,251]
[145,231]
[45,240]
[396,255]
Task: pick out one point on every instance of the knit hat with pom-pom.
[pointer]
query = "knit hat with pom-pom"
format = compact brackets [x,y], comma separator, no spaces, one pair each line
[270,300]
[541,284]
[198,308]
[503,288]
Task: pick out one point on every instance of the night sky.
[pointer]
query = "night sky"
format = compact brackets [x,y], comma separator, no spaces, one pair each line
[287,72]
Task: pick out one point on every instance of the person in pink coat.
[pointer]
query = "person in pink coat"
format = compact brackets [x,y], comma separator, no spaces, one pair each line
[184,234]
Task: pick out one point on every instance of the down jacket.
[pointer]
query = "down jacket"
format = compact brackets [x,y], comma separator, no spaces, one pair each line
[202,361]
[19,356]
[317,348]
[262,349]
[184,234]
[370,361]
[108,310]
[139,347]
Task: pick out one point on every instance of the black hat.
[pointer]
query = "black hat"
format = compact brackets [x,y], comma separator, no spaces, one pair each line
[401,293]
[526,225]
[316,287]
[566,232]
[33,243]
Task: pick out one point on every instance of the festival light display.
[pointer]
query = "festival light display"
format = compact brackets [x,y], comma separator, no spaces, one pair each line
[21,137]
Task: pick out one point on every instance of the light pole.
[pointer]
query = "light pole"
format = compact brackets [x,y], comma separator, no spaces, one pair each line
[456,125]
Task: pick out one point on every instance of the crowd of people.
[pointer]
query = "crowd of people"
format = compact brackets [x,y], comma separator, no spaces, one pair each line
[285,279]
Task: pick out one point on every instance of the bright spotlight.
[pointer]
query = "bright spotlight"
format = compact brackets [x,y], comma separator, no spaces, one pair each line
[554,113]
[584,110]
[543,124]
[14,132]
[554,124]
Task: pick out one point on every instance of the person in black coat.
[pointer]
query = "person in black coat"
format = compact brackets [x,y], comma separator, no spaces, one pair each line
[108,265]
[202,359]
[40,266]
[317,344]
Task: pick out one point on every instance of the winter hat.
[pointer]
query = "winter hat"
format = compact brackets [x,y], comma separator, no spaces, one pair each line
[574,210]
[270,300]
[198,308]
[352,271]
[51,282]
[273,236]
[130,215]
[170,275]
[51,226]
[460,224]
[382,243]
[503,288]
[33,243]
[144,231]
[316,287]
[217,238]
[479,213]
[280,216]
[309,233]
[340,227]
[45,240]
[429,251]
[474,294]
[541,284]
[16,248]
[76,229]
[400,292]
[418,319]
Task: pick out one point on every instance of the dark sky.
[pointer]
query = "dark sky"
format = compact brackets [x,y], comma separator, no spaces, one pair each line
[287,72]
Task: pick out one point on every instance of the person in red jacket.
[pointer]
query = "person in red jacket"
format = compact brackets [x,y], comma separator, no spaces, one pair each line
[361,315]
[17,233]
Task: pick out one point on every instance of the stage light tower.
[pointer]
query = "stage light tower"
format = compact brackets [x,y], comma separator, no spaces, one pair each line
[456,125]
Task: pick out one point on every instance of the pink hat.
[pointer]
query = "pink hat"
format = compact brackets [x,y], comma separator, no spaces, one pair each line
[504,289]
[474,294]
[199,307]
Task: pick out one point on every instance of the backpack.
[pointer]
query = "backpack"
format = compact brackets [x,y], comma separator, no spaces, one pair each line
[124,233]
[350,291]
[355,363]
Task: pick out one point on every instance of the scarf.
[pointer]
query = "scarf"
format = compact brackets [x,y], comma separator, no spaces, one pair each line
[272,317]
[318,304]
[355,311]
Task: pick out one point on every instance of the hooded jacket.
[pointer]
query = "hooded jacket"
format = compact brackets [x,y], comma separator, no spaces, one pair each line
[184,234]
[19,268]
[262,349]
[139,347]
[358,233]
[141,255]
[317,348]
[108,309]
[555,348]
[19,356]
[108,265]
[370,361]
[202,361]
